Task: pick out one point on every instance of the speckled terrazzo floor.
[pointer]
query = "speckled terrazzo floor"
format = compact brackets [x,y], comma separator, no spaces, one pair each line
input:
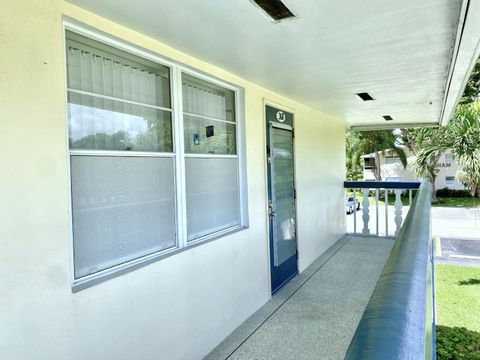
[315,315]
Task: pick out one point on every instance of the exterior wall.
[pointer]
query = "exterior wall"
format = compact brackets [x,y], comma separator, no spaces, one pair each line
[397,171]
[176,308]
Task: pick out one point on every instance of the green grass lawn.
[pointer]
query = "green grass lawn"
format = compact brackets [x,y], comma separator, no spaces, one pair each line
[457,296]
[457,290]
[459,202]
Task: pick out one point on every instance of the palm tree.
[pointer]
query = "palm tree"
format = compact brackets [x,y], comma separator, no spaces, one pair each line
[462,137]
[427,144]
[463,133]
[378,140]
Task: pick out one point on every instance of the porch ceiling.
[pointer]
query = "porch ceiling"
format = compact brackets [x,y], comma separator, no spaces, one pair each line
[401,52]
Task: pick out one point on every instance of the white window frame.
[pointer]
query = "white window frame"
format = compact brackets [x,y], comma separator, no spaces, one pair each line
[176,70]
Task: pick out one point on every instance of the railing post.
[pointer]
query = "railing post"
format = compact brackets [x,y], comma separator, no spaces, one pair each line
[398,210]
[377,191]
[355,210]
[386,186]
[386,212]
[365,212]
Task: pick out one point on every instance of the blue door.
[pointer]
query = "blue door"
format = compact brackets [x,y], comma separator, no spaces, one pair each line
[281,197]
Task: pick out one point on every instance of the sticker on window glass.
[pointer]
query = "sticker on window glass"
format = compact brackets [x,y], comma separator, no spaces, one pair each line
[196,139]
[209,130]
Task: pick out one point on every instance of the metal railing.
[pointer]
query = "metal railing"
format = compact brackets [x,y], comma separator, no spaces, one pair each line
[392,216]
[398,322]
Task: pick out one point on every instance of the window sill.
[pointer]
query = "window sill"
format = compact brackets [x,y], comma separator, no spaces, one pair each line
[117,270]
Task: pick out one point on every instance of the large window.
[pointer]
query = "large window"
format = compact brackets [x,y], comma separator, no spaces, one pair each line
[210,157]
[139,191]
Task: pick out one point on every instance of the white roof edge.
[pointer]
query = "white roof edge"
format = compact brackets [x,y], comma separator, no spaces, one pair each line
[389,126]
[466,53]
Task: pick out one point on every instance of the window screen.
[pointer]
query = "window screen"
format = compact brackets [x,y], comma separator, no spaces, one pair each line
[122,209]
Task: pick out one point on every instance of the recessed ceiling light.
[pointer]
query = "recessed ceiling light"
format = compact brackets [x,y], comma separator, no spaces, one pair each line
[387,117]
[275,9]
[365,96]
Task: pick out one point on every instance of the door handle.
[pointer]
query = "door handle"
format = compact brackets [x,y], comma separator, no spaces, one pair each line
[271,213]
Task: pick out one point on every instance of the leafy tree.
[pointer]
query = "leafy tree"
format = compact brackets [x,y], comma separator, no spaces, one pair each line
[462,137]
[353,156]
[472,89]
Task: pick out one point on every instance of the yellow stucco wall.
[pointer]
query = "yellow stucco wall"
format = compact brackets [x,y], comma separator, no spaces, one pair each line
[176,308]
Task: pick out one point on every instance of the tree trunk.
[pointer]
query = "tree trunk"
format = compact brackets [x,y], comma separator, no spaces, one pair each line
[431,178]
[378,175]
[434,191]
[473,189]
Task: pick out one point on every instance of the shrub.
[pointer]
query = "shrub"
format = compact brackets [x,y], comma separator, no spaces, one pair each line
[457,343]
[446,192]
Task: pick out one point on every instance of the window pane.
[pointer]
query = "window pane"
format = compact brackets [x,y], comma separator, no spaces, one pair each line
[203,136]
[201,97]
[100,124]
[212,195]
[392,160]
[123,208]
[96,67]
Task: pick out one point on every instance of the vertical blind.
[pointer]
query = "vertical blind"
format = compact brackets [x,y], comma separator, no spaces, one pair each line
[116,102]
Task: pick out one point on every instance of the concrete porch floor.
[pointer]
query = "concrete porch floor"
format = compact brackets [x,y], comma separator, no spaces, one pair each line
[316,314]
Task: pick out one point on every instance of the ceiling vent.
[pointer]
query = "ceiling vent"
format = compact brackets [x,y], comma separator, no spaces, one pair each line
[275,9]
[365,96]
[387,117]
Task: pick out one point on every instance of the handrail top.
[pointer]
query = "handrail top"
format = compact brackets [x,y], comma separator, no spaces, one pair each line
[397,321]
[381,184]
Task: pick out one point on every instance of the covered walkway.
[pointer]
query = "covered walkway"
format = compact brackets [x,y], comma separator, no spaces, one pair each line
[314,316]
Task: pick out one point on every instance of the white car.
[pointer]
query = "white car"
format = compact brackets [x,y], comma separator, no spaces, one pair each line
[351,204]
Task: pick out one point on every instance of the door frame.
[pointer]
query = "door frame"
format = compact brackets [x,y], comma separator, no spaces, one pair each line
[282,107]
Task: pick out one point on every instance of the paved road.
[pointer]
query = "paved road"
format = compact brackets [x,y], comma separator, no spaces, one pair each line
[456,231]
[456,222]
[454,251]
[457,236]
